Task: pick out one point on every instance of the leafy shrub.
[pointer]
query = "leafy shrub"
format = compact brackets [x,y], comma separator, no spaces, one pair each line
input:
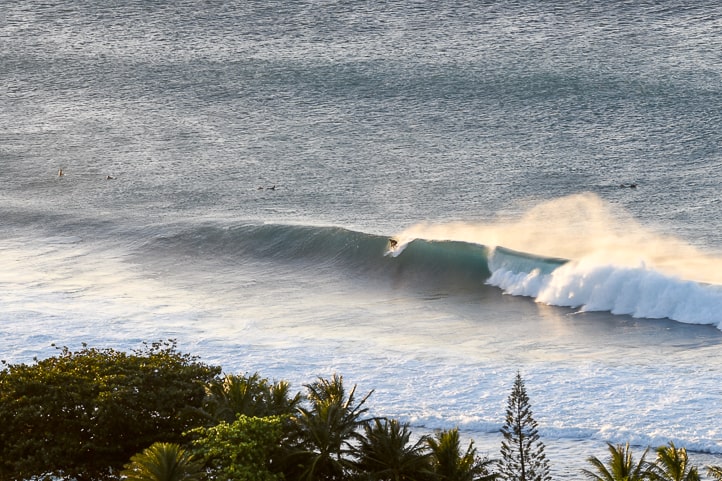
[83,414]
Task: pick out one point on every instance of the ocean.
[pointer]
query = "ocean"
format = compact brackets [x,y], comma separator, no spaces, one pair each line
[232,173]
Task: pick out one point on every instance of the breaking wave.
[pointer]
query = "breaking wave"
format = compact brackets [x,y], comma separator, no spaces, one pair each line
[588,284]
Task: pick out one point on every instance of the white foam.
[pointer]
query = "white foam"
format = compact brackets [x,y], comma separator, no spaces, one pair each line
[637,291]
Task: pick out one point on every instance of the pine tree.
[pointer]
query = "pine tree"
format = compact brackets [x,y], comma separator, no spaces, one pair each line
[522,452]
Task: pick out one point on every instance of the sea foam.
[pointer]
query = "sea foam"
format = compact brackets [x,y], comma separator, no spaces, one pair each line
[583,252]
[637,291]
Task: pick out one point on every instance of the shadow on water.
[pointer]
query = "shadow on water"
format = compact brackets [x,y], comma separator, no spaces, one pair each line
[627,330]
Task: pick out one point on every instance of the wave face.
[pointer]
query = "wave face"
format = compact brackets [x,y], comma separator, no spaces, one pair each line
[587,284]
[442,264]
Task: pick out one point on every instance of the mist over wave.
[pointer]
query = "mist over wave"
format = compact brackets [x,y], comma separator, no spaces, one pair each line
[578,251]
[600,259]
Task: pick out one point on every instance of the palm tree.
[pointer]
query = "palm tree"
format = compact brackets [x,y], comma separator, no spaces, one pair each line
[715,472]
[248,395]
[163,462]
[327,431]
[672,464]
[385,453]
[620,466]
[450,464]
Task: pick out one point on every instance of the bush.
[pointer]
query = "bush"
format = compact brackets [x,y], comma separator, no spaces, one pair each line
[243,450]
[84,414]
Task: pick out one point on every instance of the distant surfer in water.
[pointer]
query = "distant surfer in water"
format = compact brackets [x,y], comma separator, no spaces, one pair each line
[393,243]
[61,173]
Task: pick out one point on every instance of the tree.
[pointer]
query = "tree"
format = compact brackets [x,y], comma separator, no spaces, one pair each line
[522,452]
[449,464]
[715,472]
[163,462]
[620,466]
[385,453]
[247,449]
[327,431]
[248,395]
[83,414]
[672,464]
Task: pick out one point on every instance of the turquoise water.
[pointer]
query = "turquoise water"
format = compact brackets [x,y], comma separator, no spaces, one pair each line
[262,154]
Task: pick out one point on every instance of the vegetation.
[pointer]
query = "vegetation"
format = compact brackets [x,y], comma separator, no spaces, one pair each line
[673,465]
[328,430]
[248,395]
[620,466]
[155,414]
[387,453]
[715,472]
[246,450]
[449,464]
[522,452]
[83,414]
[163,462]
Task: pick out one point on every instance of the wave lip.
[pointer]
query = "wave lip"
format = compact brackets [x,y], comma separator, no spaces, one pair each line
[636,291]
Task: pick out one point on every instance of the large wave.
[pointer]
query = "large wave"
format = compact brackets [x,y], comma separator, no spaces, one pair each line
[447,264]
[576,252]
[580,252]
[590,283]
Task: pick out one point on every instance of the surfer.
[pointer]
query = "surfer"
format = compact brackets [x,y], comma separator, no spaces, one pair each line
[393,243]
[61,173]
[109,177]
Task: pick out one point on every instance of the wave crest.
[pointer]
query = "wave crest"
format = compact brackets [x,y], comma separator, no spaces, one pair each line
[638,292]
[590,255]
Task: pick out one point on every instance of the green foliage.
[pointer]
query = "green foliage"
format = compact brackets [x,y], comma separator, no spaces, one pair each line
[327,431]
[163,462]
[672,464]
[522,452]
[620,466]
[244,450]
[449,464]
[83,414]
[385,453]
[248,395]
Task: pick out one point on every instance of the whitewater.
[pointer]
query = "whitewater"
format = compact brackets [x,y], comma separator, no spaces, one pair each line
[233,175]
[599,259]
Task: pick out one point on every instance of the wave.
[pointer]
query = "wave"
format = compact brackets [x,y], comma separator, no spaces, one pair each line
[636,291]
[587,284]
[441,258]
[451,264]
